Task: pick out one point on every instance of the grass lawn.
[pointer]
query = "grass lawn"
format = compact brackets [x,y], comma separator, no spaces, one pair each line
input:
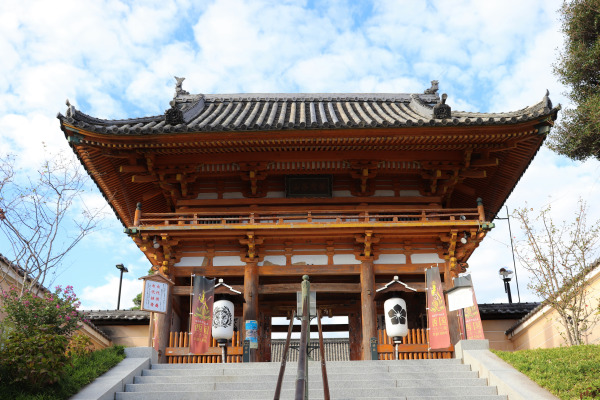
[567,372]
[83,371]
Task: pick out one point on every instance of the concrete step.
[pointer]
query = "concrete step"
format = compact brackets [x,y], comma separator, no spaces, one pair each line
[409,376]
[230,369]
[404,380]
[259,365]
[484,393]
[314,384]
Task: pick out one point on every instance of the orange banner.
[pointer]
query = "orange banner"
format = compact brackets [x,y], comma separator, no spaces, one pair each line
[439,335]
[202,307]
[473,321]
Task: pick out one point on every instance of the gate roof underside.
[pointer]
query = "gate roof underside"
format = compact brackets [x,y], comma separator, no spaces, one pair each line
[416,136]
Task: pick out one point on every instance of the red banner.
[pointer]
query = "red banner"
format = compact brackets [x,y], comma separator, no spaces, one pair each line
[439,335]
[473,321]
[202,307]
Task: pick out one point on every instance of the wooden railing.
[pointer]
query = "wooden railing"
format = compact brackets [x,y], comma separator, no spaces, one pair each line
[178,351]
[414,346]
[328,217]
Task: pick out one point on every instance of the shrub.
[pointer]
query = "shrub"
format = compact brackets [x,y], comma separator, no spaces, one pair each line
[54,312]
[36,358]
[80,345]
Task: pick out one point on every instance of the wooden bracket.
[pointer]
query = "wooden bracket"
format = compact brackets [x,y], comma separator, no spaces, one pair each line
[363,170]
[367,240]
[251,242]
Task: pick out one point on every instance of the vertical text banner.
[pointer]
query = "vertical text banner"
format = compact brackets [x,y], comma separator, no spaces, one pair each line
[473,321]
[202,308]
[439,335]
[155,296]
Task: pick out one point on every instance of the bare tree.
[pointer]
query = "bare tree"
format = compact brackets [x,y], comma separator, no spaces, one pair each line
[43,214]
[559,259]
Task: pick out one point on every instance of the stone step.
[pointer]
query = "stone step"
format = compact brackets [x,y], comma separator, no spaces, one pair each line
[482,393]
[220,390]
[316,376]
[259,365]
[140,385]
[333,369]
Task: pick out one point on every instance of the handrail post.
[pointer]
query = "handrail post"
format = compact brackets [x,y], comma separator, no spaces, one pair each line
[323,366]
[284,358]
[302,375]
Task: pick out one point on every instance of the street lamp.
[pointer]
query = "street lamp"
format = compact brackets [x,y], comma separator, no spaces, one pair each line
[505,276]
[122,268]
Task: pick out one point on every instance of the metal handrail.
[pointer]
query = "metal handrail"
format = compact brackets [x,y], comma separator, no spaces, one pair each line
[284,358]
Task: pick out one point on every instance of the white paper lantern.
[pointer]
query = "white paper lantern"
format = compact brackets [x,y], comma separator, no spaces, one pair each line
[396,323]
[222,326]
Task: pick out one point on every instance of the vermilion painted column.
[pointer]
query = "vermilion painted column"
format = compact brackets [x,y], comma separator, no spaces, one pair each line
[367,307]
[251,299]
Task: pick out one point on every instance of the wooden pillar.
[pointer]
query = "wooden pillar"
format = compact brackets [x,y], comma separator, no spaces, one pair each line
[251,299]
[354,335]
[367,307]
[164,328]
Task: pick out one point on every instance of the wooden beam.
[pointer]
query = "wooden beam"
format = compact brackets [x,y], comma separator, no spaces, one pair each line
[336,200]
[299,270]
[144,178]
[133,168]
[326,327]
[485,162]
[316,287]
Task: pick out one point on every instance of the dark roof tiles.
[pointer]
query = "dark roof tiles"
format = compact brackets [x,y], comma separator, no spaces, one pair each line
[280,111]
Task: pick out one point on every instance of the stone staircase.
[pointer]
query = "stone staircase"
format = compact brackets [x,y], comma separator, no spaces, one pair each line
[404,380]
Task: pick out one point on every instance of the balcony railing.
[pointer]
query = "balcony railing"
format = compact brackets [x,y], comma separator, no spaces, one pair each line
[292,219]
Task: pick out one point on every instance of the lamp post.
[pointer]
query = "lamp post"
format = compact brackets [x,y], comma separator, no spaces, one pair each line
[505,276]
[122,268]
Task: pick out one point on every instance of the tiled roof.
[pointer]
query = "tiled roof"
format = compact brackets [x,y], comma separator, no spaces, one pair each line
[505,310]
[104,316]
[276,111]
[19,271]
[335,350]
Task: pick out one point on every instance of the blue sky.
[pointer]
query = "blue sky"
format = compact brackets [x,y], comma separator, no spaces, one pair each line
[116,59]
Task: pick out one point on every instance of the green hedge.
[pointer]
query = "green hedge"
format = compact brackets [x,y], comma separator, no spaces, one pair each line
[568,372]
[82,370]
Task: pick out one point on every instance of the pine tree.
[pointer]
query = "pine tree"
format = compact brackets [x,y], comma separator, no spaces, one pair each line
[578,134]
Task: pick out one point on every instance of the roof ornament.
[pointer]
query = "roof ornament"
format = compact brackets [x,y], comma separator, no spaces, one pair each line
[178,87]
[442,110]
[70,109]
[547,100]
[174,116]
[433,89]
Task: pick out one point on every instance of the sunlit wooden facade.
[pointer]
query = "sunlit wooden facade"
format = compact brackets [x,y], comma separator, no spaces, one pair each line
[350,189]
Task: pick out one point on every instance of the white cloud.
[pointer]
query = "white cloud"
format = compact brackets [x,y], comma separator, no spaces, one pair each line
[105,296]
[116,59]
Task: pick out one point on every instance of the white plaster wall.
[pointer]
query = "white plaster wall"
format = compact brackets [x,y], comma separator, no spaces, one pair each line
[426,258]
[233,195]
[220,261]
[313,259]
[390,259]
[345,259]
[190,262]
[383,193]
[277,260]
[275,195]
